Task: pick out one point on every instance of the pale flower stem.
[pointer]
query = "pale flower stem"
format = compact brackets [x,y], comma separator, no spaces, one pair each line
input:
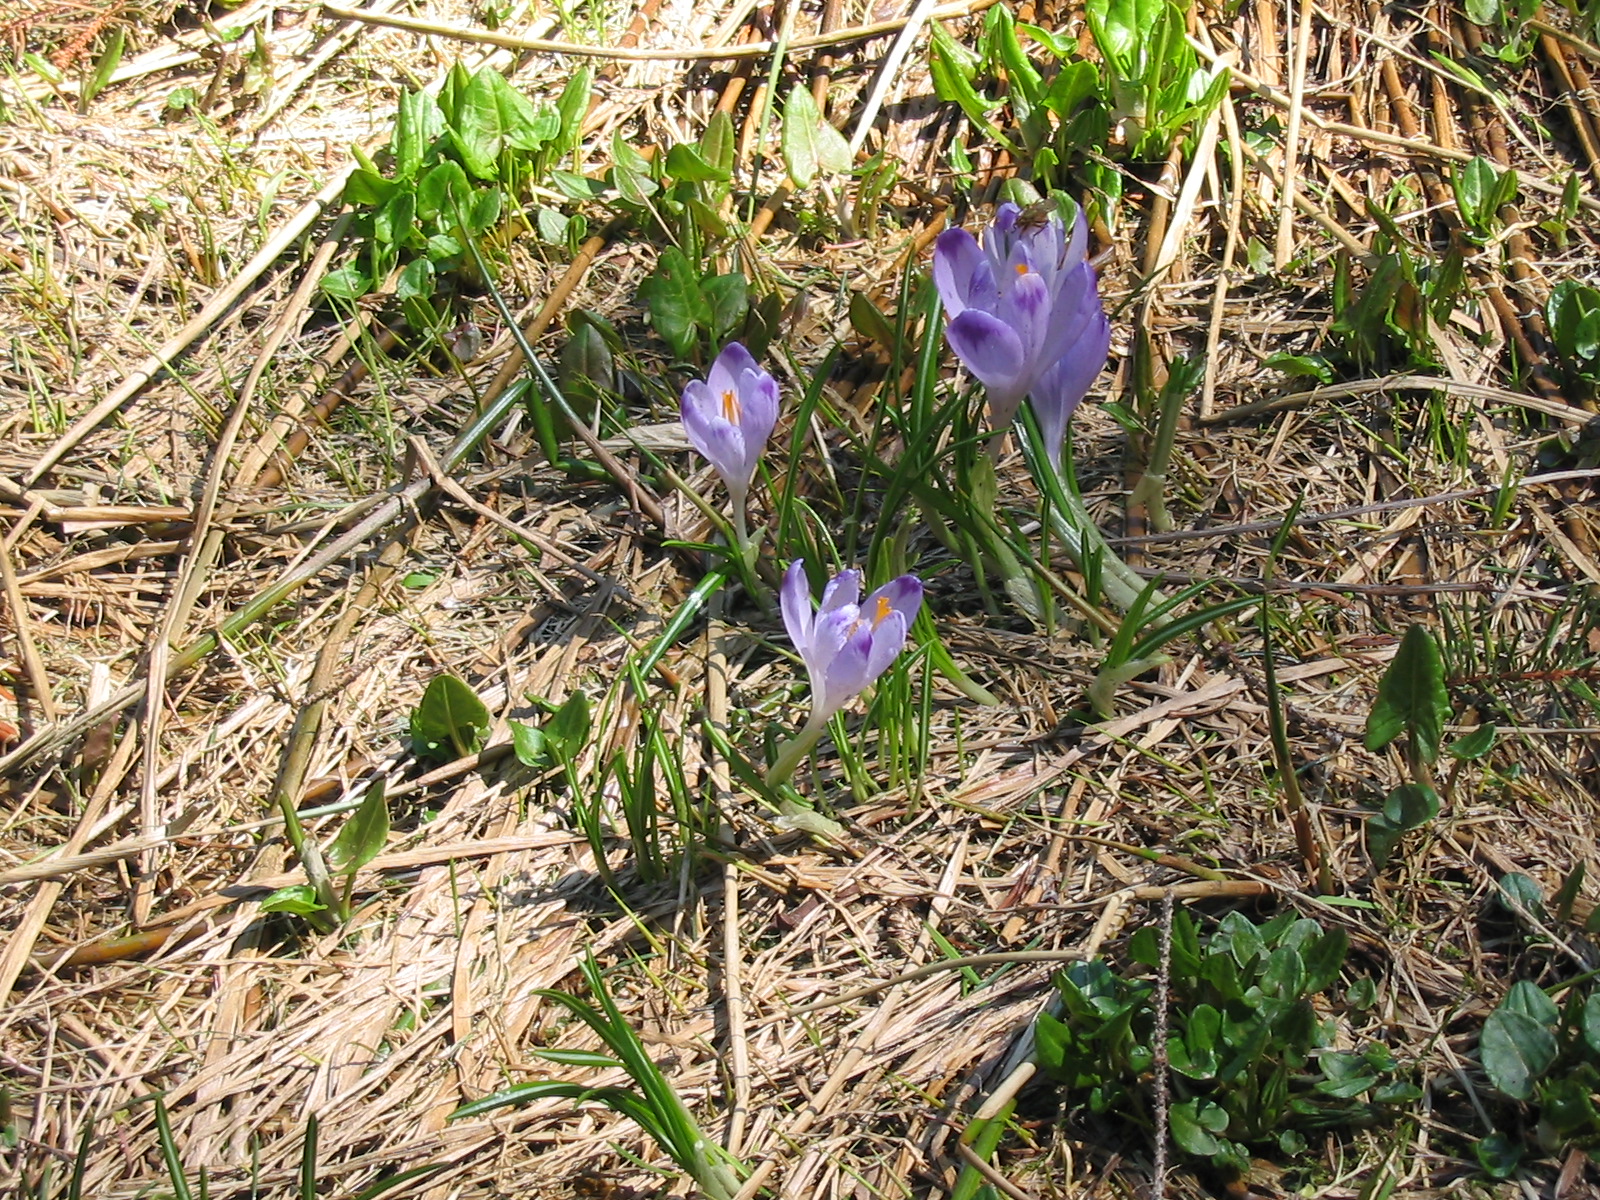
[1083,539]
[796,748]
[741,527]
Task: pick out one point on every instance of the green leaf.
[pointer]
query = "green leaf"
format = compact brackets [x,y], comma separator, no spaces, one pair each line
[630,171]
[953,67]
[1122,32]
[1567,893]
[869,321]
[568,730]
[415,283]
[717,143]
[1515,1050]
[1497,1154]
[580,1058]
[571,108]
[441,190]
[728,297]
[1521,894]
[349,282]
[678,309]
[1470,747]
[1475,185]
[1410,806]
[417,125]
[483,212]
[1412,698]
[810,144]
[1312,366]
[686,163]
[104,67]
[364,835]
[528,744]
[298,899]
[1193,1123]
[450,721]
[493,115]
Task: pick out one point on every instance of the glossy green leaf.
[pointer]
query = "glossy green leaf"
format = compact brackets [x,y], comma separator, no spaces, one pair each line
[686,163]
[1412,698]
[1498,1155]
[572,107]
[1470,747]
[717,143]
[417,125]
[450,721]
[568,730]
[362,837]
[677,306]
[441,190]
[953,67]
[728,297]
[493,116]
[298,899]
[528,744]
[810,145]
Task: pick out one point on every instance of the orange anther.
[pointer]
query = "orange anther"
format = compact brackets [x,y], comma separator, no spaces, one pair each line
[730,406]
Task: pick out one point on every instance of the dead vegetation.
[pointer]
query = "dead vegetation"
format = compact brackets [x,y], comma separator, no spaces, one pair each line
[203,609]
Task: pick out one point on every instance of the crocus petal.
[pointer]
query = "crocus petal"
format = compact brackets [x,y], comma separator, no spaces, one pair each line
[720,442]
[1062,388]
[990,348]
[845,674]
[758,401]
[841,591]
[736,360]
[794,597]
[902,595]
[888,639]
[963,273]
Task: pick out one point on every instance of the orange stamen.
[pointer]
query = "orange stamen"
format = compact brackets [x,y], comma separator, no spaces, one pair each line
[730,406]
[1021,268]
[882,612]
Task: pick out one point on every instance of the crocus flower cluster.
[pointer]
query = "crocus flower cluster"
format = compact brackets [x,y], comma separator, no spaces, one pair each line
[1025,314]
[845,645]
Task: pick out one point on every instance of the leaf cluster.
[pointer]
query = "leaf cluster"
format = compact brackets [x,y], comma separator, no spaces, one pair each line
[1535,1049]
[459,166]
[1251,1059]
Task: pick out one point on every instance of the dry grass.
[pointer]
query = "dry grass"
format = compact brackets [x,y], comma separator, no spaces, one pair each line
[128,538]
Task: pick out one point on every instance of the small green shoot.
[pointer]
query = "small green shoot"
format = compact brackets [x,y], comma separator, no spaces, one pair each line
[360,840]
[449,722]
[650,1103]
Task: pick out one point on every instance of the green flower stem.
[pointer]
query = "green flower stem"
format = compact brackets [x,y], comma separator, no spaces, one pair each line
[795,750]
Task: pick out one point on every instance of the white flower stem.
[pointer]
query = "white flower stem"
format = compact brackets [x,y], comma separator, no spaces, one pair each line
[796,748]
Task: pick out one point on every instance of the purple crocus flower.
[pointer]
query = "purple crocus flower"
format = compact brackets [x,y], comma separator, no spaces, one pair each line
[845,645]
[730,416]
[1019,303]
[1059,391]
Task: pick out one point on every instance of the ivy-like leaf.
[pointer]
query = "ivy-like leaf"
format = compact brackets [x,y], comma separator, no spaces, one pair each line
[810,144]
[450,721]
[364,835]
[1412,698]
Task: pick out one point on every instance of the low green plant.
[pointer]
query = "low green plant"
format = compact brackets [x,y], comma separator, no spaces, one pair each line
[321,901]
[1481,191]
[1250,1052]
[1539,1048]
[650,1103]
[1413,703]
[449,722]
[459,167]
[1572,314]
